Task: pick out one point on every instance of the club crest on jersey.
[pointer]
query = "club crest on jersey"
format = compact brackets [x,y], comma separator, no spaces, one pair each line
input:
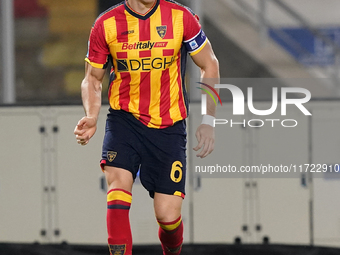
[161,30]
[117,249]
[111,155]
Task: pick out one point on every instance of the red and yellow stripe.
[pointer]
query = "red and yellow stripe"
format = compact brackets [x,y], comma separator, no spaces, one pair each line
[119,199]
[170,226]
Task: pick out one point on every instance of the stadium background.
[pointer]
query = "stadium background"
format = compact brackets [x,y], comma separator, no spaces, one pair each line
[52,193]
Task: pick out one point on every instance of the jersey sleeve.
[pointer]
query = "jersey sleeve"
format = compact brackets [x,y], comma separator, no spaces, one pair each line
[98,51]
[194,38]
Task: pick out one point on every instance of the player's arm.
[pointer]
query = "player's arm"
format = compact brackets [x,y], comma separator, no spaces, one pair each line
[208,63]
[91,89]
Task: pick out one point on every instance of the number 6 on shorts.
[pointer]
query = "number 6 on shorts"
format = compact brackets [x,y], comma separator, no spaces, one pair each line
[176,167]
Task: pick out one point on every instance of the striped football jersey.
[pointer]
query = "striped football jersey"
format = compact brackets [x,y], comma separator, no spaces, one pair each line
[148,53]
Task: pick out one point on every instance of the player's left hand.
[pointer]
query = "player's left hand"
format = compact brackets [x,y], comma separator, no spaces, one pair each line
[205,135]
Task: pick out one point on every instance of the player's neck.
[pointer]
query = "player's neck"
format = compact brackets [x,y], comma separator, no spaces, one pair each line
[141,6]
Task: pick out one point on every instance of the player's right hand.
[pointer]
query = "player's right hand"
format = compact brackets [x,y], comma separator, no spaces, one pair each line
[85,129]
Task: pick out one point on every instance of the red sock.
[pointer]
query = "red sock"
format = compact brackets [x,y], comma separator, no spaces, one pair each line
[118,223]
[171,236]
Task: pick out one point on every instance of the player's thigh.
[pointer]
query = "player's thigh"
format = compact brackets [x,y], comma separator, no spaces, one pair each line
[118,178]
[163,168]
[167,207]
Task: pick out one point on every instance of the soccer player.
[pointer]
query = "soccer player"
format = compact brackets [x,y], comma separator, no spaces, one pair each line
[147,42]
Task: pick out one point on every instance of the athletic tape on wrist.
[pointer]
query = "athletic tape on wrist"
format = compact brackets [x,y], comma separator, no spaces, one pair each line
[209,120]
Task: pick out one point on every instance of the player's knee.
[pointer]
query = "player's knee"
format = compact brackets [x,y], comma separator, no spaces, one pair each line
[167,216]
[118,178]
[167,209]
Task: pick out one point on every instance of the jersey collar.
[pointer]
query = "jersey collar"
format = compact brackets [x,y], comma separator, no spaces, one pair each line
[139,15]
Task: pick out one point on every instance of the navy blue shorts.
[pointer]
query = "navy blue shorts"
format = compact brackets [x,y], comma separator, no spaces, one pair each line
[159,154]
